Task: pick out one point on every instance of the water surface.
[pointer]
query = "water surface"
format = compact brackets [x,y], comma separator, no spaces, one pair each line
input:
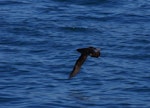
[38,42]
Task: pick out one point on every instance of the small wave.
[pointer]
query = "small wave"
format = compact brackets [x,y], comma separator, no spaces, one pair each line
[142,89]
[9,2]
[77,29]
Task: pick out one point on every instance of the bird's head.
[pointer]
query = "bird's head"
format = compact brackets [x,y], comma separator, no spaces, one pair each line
[94,52]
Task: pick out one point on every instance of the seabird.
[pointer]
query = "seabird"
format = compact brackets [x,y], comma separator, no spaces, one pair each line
[91,51]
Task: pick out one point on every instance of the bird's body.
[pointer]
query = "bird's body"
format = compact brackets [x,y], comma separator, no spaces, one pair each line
[93,52]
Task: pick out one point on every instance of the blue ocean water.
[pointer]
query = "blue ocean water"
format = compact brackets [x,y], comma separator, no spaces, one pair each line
[38,42]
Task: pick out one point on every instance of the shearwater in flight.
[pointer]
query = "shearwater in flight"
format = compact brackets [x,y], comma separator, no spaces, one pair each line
[85,52]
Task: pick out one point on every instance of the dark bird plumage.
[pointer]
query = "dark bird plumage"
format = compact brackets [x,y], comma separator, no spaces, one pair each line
[91,51]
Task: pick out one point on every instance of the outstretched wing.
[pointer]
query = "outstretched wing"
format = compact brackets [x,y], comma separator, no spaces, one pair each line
[78,65]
